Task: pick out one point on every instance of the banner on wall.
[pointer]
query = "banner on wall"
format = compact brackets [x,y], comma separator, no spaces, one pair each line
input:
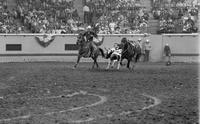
[45,40]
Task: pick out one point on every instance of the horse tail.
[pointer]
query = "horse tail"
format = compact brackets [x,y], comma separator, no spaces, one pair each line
[102,52]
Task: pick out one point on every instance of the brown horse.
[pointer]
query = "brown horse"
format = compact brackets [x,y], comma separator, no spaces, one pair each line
[131,51]
[89,50]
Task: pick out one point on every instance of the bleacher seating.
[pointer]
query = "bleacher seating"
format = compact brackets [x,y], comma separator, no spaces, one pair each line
[176,17]
[106,16]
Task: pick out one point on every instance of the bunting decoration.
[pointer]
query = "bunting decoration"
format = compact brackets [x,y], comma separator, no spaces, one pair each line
[45,40]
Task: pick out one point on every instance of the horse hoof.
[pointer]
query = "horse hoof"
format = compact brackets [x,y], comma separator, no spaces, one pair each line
[122,64]
[131,70]
[74,67]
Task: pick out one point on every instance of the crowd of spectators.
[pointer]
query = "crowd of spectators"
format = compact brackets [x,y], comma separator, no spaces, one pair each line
[177,17]
[8,22]
[117,16]
[48,16]
[105,16]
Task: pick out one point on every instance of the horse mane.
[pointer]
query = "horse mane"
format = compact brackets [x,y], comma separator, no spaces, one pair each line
[129,47]
[127,44]
[124,40]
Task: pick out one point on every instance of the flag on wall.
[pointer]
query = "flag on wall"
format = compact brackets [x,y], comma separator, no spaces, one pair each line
[45,40]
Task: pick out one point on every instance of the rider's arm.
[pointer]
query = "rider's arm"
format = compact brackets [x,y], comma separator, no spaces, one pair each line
[94,34]
[84,34]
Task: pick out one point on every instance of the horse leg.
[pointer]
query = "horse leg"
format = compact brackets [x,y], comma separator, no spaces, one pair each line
[128,64]
[136,59]
[93,63]
[133,63]
[130,61]
[95,60]
[121,59]
[112,63]
[118,62]
[96,63]
[118,65]
[133,66]
[78,59]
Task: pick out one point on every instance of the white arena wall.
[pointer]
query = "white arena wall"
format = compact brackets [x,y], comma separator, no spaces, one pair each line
[185,47]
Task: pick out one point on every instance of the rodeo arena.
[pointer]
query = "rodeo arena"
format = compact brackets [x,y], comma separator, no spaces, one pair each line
[99,61]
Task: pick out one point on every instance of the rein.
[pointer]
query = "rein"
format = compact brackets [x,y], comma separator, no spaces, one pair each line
[125,50]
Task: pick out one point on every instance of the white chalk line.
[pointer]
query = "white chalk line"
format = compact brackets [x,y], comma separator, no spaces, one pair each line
[81,120]
[156,102]
[16,118]
[101,101]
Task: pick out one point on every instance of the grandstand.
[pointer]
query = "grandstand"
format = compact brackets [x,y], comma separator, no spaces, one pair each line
[107,17]
[22,21]
[40,43]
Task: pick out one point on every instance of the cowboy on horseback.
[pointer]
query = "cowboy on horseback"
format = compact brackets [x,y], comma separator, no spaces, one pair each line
[88,47]
[90,36]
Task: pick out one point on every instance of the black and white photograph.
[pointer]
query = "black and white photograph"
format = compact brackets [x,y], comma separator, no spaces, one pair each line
[99,61]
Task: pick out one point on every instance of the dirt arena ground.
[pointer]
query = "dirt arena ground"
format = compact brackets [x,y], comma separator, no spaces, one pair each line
[54,93]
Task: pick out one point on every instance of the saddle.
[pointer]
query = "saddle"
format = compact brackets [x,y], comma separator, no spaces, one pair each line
[85,51]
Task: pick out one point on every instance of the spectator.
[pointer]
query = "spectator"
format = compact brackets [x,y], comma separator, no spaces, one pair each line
[179,13]
[142,43]
[86,11]
[112,26]
[167,54]
[190,21]
[147,49]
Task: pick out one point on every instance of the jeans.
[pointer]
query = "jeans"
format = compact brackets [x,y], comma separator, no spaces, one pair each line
[146,57]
